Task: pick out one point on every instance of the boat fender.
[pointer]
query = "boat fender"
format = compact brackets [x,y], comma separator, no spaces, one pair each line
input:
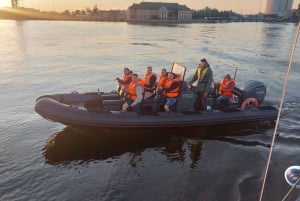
[249,101]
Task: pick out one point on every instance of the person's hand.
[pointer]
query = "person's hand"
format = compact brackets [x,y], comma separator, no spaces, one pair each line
[205,94]
[125,107]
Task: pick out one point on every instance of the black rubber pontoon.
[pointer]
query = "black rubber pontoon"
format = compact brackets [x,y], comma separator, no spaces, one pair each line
[102,110]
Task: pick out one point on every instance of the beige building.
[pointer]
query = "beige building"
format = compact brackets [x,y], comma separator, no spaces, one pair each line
[157,11]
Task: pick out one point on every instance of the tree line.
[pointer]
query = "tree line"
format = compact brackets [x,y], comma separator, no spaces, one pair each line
[213,13]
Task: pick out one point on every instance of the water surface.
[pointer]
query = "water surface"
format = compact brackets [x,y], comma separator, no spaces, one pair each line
[43,160]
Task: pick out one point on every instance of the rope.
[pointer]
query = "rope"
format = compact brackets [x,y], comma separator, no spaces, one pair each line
[292,188]
[279,111]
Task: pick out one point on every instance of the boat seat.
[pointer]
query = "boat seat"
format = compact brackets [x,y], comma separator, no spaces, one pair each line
[151,105]
[151,97]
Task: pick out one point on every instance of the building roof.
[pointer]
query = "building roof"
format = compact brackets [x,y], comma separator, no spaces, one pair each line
[157,5]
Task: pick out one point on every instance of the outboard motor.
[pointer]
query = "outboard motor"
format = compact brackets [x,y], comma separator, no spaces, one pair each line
[251,89]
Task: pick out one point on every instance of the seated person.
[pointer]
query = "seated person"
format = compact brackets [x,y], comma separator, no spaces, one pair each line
[225,91]
[134,93]
[161,83]
[162,79]
[125,81]
[171,91]
[149,83]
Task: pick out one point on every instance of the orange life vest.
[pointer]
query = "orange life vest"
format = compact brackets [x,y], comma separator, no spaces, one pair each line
[223,88]
[147,81]
[162,80]
[175,92]
[125,78]
[131,89]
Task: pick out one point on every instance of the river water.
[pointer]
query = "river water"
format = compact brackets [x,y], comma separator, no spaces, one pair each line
[43,160]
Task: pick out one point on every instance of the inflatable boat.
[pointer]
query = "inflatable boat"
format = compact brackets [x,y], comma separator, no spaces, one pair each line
[102,109]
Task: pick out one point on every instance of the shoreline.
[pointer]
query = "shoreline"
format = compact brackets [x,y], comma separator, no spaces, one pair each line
[32,14]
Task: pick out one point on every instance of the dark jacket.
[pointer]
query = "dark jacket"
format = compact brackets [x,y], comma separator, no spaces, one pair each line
[204,84]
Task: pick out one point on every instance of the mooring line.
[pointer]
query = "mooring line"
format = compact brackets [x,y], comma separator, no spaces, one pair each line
[291,189]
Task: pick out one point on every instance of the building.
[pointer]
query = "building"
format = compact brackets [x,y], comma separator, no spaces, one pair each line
[158,11]
[278,7]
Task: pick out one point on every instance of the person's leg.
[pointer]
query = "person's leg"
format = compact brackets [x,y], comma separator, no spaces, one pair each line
[172,105]
[203,102]
[166,107]
[137,108]
[222,102]
[126,105]
[169,104]
[197,103]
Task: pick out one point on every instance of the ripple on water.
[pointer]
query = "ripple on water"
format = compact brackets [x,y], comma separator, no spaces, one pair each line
[43,160]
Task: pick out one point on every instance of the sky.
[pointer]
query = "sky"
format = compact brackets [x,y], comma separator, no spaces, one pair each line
[238,6]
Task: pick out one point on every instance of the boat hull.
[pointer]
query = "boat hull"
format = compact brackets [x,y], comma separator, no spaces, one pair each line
[77,115]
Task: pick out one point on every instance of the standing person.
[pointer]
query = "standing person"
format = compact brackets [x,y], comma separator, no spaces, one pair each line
[171,90]
[127,78]
[162,80]
[149,83]
[134,93]
[204,78]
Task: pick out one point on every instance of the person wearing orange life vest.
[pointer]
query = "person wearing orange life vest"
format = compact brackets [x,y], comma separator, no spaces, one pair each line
[149,83]
[134,93]
[225,90]
[127,77]
[226,87]
[162,80]
[171,91]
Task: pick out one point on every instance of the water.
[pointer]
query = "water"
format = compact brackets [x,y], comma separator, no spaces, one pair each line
[43,160]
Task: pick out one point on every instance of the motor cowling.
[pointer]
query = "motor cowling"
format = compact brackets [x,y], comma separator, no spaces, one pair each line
[252,89]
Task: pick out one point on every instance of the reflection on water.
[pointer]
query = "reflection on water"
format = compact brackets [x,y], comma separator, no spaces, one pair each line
[68,145]
[177,145]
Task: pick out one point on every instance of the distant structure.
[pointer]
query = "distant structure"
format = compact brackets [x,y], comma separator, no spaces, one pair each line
[159,11]
[15,3]
[278,7]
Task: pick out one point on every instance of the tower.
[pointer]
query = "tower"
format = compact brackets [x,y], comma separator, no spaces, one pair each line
[279,7]
[15,3]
